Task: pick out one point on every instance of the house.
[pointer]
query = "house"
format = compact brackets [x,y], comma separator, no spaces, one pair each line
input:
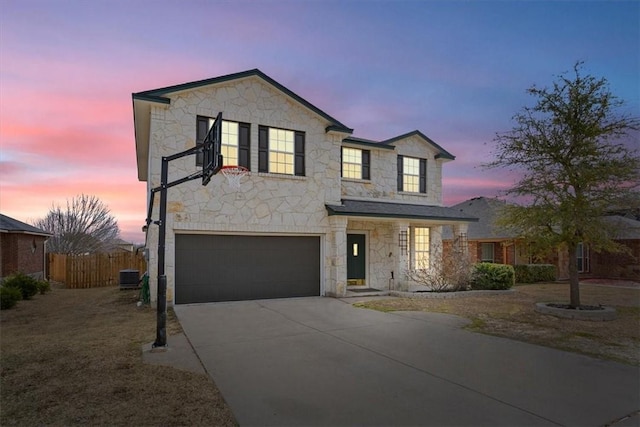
[321,209]
[488,243]
[608,265]
[22,248]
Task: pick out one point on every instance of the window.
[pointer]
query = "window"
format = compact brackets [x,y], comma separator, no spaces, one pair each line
[420,248]
[582,258]
[280,151]
[412,174]
[229,147]
[487,254]
[355,163]
[235,143]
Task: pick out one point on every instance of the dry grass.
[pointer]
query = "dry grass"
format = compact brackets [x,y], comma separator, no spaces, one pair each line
[512,315]
[74,356]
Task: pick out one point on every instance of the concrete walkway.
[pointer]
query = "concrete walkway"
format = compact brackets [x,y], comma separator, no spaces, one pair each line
[320,361]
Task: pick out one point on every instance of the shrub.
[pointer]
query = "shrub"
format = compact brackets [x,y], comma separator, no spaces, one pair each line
[9,297]
[43,287]
[27,285]
[488,276]
[446,273]
[533,273]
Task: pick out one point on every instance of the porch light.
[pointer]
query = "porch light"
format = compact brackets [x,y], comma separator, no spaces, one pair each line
[402,242]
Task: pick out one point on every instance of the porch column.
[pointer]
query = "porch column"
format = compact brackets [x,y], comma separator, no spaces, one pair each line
[400,249]
[337,286]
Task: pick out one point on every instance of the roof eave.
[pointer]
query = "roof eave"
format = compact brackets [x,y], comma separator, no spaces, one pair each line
[364,143]
[442,153]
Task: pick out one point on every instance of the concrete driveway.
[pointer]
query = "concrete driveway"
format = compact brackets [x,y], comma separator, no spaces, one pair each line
[320,361]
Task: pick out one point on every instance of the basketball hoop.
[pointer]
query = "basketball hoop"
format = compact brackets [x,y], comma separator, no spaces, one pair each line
[234,174]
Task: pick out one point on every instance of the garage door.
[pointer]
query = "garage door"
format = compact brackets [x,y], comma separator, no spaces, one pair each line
[231,268]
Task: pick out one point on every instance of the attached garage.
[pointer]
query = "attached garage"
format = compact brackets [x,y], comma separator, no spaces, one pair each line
[211,268]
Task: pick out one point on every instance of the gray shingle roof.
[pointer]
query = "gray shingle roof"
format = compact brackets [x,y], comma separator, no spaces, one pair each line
[397,210]
[624,228]
[486,210]
[11,225]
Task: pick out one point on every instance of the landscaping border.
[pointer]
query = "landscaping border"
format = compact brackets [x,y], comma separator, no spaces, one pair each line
[448,295]
[606,313]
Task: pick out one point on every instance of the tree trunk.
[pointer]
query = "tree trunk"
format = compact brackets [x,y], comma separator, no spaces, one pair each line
[574,283]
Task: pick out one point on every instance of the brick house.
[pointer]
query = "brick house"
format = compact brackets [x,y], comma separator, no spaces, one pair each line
[321,209]
[488,243]
[22,248]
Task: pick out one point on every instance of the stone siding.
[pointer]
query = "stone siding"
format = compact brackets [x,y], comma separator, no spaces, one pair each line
[273,204]
[266,203]
[384,172]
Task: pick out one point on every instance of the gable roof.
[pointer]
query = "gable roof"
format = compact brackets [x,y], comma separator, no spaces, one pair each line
[142,102]
[11,225]
[486,210]
[442,153]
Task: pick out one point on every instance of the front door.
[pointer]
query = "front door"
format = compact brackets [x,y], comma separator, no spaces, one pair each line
[356,259]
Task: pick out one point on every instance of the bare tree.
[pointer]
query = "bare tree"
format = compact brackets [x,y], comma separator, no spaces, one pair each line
[448,273]
[85,226]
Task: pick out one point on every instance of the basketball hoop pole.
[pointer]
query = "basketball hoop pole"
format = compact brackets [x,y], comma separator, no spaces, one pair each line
[161,328]
[211,164]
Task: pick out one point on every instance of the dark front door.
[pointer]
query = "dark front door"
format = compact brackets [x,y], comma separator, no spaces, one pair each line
[356,257]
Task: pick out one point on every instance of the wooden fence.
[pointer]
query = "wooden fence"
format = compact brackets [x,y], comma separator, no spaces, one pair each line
[95,270]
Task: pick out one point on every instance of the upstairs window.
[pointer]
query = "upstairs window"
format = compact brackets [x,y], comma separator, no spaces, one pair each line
[235,145]
[355,163]
[281,151]
[412,174]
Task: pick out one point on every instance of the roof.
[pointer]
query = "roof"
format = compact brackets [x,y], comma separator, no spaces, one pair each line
[142,102]
[624,228]
[486,210]
[367,143]
[442,153]
[366,208]
[10,225]
[389,143]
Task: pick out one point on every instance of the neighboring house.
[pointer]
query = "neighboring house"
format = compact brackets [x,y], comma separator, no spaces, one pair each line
[320,211]
[22,248]
[123,246]
[489,243]
[605,264]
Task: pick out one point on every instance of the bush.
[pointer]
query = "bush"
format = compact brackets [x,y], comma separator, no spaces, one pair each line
[27,285]
[9,297]
[488,276]
[533,273]
[43,287]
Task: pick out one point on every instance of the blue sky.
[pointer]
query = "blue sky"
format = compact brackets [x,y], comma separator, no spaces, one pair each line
[455,70]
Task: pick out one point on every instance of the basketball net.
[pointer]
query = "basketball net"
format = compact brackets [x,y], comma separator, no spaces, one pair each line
[234,174]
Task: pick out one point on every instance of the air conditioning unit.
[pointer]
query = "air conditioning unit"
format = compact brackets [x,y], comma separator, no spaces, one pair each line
[129,279]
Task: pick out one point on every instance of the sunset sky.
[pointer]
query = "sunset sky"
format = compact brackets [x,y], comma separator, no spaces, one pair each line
[455,70]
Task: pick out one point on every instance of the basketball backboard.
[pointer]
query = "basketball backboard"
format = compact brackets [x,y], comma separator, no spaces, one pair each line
[211,151]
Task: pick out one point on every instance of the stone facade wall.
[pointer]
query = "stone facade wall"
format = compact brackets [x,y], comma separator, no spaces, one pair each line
[384,172]
[273,204]
[22,253]
[380,243]
[266,203]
